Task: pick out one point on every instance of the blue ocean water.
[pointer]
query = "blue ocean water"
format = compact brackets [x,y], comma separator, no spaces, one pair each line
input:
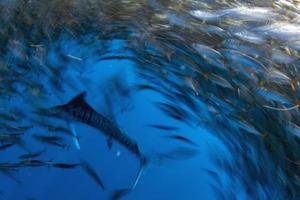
[117,166]
[218,99]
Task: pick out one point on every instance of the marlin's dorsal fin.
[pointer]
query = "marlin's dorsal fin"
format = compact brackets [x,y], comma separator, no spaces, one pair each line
[77,100]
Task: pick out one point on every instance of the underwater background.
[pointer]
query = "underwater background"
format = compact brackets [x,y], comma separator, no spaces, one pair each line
[149,99]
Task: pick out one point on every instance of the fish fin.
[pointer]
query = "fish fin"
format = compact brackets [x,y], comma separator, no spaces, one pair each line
[78,99]
[76,139]
[109,142]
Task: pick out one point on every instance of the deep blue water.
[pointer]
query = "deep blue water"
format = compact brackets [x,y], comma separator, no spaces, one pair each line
[236,92]
[116,171]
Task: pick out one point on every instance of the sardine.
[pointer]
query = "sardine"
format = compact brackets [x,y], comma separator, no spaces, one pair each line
[51,140]
[65,165]
[35,163]
[179,153]
[164,127]
[117,194]
[181,138]
[5,146]
[88,169]
[31,155]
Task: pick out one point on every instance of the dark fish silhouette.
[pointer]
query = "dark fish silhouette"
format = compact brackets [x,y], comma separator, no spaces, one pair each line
[180,153]
[181,138]
[147,87]
[88,169]
[12,139]
[8,117]
[35,163]
[51,140]
[164,127]
[65,165]
[173,111]
[78,110]
[16,129]
[9,166]
[32,155]
[6,146]
[119,193]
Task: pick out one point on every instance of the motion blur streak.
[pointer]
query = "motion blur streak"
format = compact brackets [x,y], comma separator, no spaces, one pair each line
[207,91]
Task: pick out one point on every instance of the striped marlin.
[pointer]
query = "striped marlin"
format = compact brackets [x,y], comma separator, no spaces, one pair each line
[77,109]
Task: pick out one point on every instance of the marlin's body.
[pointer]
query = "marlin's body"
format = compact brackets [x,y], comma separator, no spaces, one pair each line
[78,110]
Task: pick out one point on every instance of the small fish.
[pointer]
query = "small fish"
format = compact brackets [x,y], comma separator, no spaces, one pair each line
[52,140]
[35,163]
[117,194]
[210,55]
[8,117]
[181,138]
[222,82]
[250,37]
[245,62]
[206,16]
[272,96]
[88,169]
[147,87]
[179,153]
[5,146]
[59,129]
[55,128]
[164,127]
[278,77]
[250,13]
[17,129]
[118,57]
[12,138]
[65,165]
[246,126]
[32,155]
[9,166]
[173,111]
